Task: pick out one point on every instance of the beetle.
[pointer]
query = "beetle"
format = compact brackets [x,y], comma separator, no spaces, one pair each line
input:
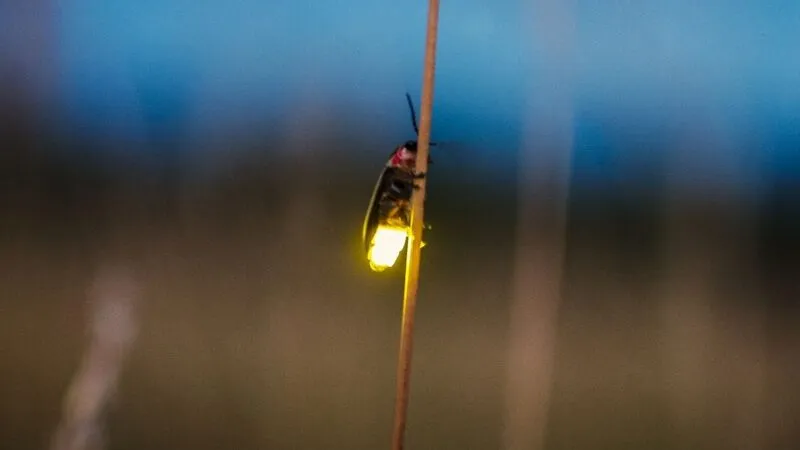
[388,218]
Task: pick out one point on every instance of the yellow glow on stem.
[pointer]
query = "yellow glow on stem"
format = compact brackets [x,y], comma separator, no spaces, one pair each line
[386,246]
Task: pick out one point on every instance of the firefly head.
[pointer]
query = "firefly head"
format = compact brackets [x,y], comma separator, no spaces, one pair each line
[411,146]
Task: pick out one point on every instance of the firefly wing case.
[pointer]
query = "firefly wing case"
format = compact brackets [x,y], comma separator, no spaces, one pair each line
[389,201]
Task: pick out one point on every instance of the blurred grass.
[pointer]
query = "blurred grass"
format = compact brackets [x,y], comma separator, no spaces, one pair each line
[262,326]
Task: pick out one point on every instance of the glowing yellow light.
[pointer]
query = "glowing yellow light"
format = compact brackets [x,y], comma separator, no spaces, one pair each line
[387,243]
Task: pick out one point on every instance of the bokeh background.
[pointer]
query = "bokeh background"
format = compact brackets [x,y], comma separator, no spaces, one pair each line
[613,261]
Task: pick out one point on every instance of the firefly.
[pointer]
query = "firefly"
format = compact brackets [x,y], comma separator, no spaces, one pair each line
[387,224]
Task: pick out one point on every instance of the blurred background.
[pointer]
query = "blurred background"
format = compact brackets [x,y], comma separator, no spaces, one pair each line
[613,261]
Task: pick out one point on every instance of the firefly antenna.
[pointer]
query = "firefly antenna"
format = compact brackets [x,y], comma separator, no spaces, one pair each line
[413,114]
[414,118]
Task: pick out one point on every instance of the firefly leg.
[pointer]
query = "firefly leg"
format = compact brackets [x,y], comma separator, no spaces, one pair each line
[426,226]
[417,176]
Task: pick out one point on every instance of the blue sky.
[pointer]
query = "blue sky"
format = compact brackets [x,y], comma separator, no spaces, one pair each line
[657,69]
